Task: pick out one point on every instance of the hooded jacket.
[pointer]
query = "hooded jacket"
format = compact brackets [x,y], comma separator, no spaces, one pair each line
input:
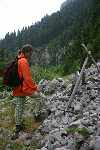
[28,87]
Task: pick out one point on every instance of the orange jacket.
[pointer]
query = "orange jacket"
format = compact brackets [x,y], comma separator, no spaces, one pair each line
[28,87]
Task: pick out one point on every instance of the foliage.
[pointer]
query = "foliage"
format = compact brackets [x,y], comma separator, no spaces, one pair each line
[78,22]
[50,27]
[75,129]
[41,73]
[47,73]
[82,131]
[4,87]
[4,59]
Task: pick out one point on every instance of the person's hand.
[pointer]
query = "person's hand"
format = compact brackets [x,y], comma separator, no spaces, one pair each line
[38,90]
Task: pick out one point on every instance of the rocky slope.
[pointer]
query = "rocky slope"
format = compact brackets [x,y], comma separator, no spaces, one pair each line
[83,116]
[75,129]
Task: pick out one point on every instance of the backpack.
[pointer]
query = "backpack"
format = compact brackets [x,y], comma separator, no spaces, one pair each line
[11,75]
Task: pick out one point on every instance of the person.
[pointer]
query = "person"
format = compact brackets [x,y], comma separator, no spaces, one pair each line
[28,86]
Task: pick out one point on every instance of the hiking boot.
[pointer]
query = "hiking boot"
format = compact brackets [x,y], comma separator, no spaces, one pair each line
[38,117]
[18,128]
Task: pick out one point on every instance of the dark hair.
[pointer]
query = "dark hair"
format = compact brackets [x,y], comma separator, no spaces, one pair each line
[19,52]
[27,48]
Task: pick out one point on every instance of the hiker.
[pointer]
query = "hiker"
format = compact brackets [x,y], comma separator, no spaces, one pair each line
[28,86]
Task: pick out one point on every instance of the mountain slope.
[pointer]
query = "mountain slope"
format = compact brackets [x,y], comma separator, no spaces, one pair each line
[63,32]
[65,3]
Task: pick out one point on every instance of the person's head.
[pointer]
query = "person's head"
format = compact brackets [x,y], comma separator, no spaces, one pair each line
[27,50]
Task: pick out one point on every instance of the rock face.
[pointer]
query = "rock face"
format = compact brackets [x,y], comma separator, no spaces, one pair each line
[76,128]
[45,58]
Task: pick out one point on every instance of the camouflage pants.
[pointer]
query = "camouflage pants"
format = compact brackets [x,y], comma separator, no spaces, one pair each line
[19,108]
[39,104]
[39,107]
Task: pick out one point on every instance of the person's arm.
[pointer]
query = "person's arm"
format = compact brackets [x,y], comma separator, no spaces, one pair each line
[26,74]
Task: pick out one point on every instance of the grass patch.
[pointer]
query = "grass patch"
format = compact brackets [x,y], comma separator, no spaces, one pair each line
[7,123]
[36,144]
[82,131]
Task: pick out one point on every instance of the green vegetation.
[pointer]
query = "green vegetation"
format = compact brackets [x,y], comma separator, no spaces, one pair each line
[4,87]
[7,122]
[47,73]
[76,23]
[75,129]
[82,131]
[41,73]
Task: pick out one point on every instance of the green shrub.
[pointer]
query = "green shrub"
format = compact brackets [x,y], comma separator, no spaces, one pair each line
[46,73]
[82,131]
[4,87]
